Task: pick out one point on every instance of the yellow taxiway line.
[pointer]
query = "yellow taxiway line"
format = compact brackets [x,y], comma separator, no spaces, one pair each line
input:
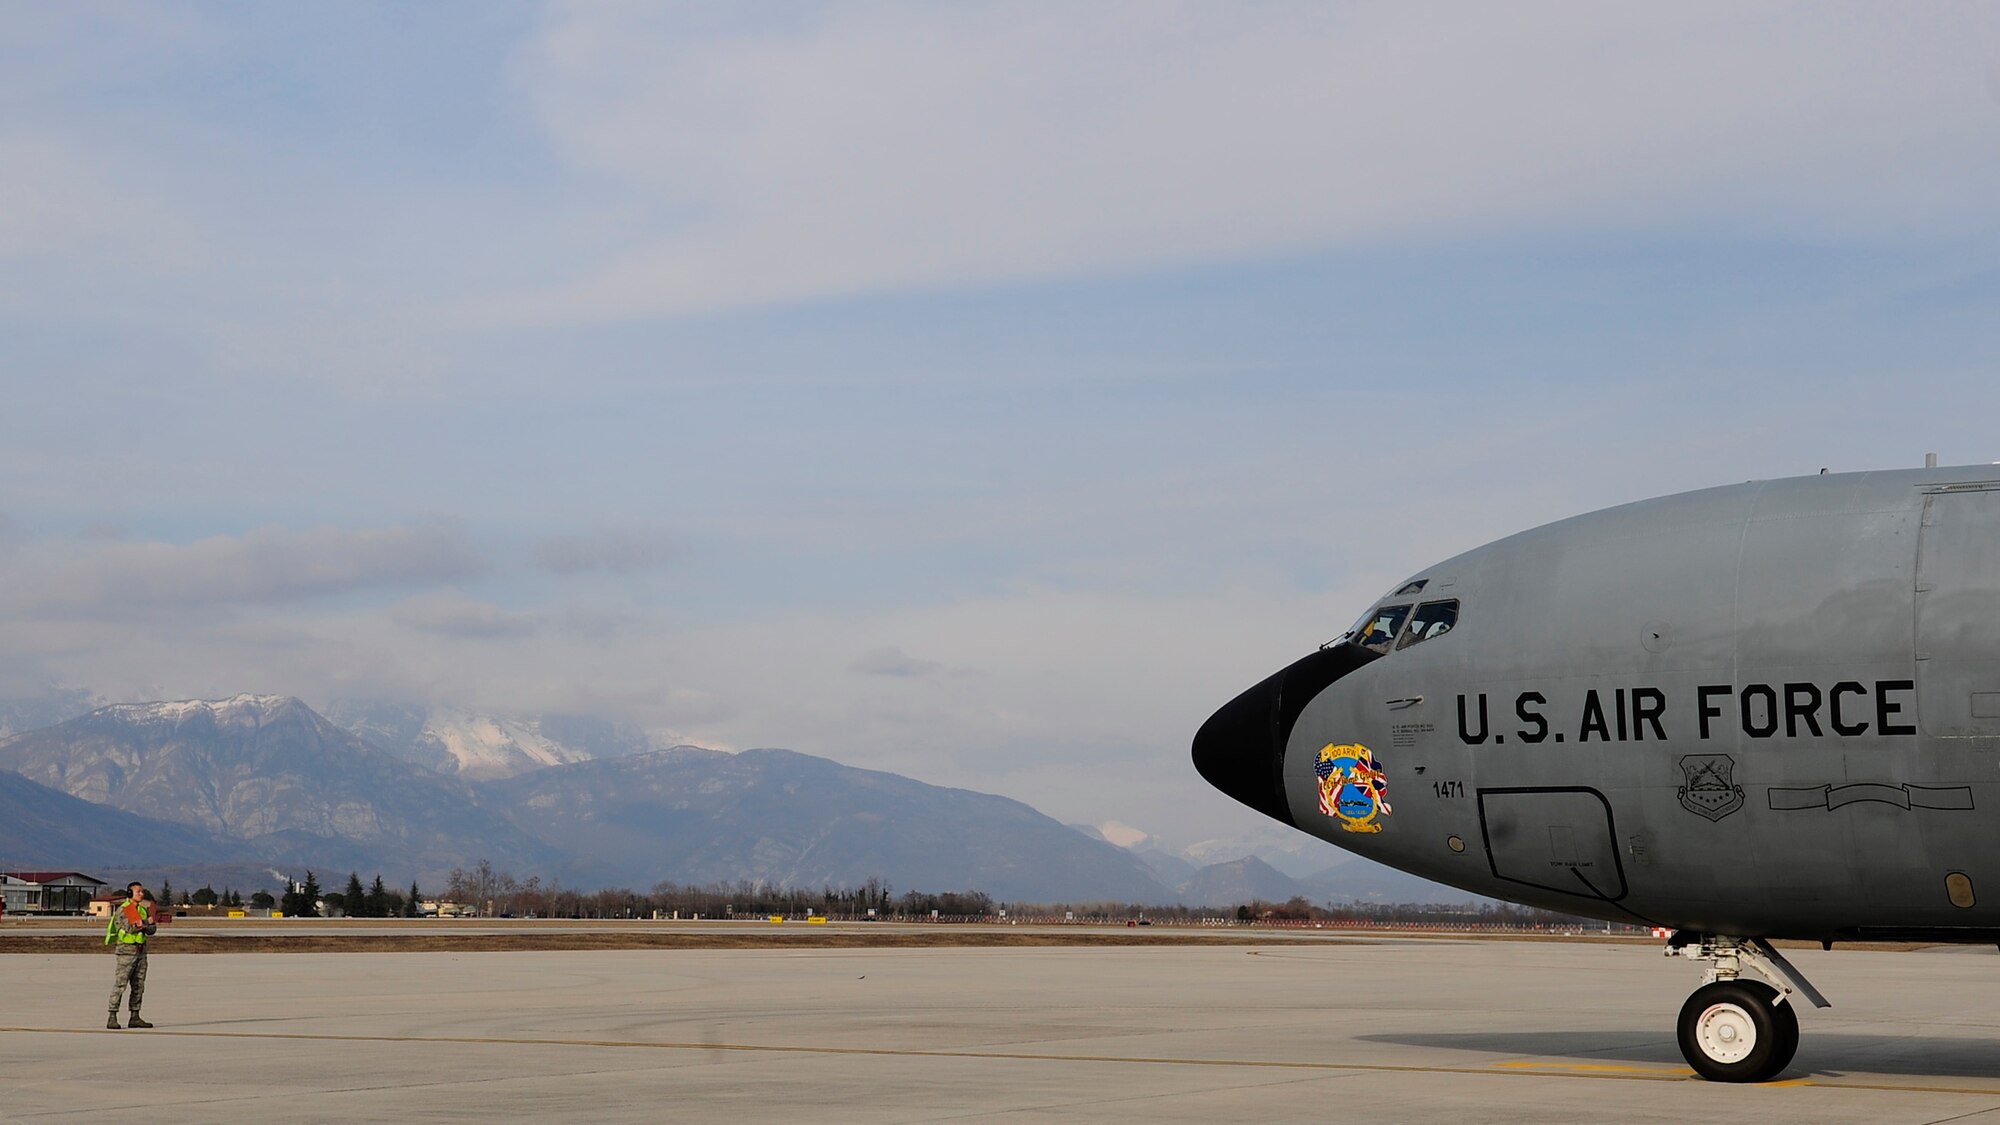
[1521,1068]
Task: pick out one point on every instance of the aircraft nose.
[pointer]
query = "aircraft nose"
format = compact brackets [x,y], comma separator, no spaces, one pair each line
[1241,751]
[1241,748]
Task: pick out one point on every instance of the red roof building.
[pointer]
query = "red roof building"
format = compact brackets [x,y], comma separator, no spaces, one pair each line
[50,892]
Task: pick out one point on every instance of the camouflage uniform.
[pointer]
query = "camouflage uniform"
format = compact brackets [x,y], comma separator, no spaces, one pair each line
[131,923]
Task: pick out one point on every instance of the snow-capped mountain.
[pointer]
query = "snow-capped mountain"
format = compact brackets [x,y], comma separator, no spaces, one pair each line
[268,769]
[293,789]
[249,711]
[481,747]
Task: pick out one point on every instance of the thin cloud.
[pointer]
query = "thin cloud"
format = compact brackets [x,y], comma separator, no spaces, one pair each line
[269,565]
[452,614]
[892,661]
[612,552]
[58,204]
[888,147]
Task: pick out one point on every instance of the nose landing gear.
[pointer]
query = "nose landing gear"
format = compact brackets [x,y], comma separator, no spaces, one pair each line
[1738,1031]
[1735,1029]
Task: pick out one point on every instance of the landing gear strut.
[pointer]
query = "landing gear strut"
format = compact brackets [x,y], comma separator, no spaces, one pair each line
[1735,1029]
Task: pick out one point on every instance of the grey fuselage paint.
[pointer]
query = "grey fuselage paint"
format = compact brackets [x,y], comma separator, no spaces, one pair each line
[1769,710]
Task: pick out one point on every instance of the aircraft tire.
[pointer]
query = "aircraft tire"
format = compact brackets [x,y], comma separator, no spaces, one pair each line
[1788,1027]
[1734,1031]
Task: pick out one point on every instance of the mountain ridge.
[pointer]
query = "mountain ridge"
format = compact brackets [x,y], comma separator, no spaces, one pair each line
[269,778]
[760,814]
[481,746]
[45,828]
[266,768]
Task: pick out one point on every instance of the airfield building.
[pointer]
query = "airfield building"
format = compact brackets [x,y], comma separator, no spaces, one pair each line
[48,892]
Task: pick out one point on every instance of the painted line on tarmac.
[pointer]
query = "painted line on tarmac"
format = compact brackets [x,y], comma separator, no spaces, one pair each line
[1602,1068]
[1519,1068]
[1620,1070]
[886,1052]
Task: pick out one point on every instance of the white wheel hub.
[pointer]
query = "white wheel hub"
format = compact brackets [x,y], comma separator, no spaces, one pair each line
[1726,1033]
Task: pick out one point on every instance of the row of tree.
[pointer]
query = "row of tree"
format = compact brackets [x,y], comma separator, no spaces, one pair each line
[302,899]
[500,892]
[208,896]
[377,901]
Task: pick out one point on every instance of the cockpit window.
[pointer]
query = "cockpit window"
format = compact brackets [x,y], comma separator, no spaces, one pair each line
[1376,631]
[1432,619]
[1413,588]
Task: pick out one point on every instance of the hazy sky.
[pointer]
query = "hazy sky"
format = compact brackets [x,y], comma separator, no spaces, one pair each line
[980,392]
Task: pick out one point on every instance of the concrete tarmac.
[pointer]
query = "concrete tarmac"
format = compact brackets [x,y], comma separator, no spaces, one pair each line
[1392,1029]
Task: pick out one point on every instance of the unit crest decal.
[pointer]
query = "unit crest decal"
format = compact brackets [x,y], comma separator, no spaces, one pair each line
[1710,791]
[1352,787]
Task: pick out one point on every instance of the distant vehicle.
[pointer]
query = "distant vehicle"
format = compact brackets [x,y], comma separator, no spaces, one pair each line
[1762,711]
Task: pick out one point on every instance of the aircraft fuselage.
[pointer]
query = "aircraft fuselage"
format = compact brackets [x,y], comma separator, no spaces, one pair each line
[1765,710]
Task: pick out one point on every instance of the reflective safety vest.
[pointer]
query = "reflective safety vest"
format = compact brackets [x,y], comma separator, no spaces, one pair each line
[128,923]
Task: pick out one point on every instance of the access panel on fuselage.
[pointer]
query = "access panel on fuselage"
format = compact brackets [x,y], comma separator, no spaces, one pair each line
[1558,839]
[1958,613]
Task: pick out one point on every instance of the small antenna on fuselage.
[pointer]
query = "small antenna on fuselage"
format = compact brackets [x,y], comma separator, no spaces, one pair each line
[1930,460]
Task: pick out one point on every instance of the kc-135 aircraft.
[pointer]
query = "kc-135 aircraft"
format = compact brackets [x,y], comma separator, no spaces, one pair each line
[1768,710]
